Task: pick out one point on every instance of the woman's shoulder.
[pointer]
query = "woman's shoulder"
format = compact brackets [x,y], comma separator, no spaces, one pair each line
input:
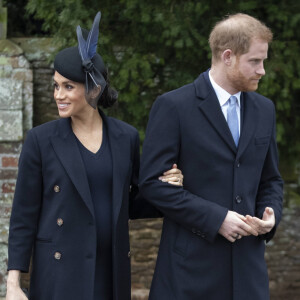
[45,128]
[116,124]
[40,135]
[45,131]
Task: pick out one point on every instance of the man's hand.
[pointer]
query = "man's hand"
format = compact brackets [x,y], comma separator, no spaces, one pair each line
[265,224]
[235,227]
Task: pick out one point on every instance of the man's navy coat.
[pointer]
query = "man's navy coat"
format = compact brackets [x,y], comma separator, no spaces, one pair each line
[53,212]
[187,127]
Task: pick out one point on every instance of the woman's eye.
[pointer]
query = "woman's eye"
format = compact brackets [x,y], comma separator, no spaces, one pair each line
[55,85]
[69,87]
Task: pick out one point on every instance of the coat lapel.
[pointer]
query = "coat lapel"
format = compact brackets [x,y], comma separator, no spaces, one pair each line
[65,145]
[120,151]
[211,109]
[250,111]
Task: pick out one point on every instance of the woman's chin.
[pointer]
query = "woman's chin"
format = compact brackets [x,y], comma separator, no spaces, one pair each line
[63,114]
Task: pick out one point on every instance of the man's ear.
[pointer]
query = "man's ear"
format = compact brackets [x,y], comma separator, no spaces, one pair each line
[228,57]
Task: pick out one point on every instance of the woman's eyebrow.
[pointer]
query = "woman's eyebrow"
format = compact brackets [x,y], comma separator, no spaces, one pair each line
[64,82]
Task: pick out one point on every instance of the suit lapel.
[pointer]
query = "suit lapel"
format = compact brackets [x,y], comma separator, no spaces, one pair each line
[210,107]
[65,146]
[249,123]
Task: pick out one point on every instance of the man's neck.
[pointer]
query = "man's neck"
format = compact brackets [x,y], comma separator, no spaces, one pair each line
[219,75]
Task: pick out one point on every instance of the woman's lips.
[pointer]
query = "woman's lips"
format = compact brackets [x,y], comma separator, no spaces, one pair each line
[63,105]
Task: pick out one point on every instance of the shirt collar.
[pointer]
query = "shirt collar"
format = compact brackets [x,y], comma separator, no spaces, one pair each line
[223,95]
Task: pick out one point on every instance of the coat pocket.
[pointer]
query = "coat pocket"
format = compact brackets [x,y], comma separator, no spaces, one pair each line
[43,240]
[181,241]
[262,140]
[42,283]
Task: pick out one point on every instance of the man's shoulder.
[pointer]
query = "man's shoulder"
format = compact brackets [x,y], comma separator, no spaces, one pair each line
[259,99]
[184,93]
[192,90]
[178,92]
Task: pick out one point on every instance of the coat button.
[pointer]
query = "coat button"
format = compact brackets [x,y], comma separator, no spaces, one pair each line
[201,234]
[60,221]
[56,188]
[238,164]
[129,254]
[57,255]
[238,199]
[90,255]
[194,230]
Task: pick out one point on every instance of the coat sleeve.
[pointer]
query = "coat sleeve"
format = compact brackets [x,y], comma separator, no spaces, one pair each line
[270,191]
[26,206]
[160,151]
[139,208]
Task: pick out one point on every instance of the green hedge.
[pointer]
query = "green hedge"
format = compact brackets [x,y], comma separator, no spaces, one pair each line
[155,46]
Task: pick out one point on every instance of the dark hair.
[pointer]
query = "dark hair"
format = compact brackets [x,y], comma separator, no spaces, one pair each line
[109,95]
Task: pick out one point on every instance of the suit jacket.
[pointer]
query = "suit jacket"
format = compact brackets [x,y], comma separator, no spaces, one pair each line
[187,127]
[53,212]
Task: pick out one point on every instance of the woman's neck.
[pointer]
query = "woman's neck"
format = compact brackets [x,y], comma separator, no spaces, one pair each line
[89,130]
[87,123]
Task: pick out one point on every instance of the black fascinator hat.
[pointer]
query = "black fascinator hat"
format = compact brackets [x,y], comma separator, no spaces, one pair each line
[83,64]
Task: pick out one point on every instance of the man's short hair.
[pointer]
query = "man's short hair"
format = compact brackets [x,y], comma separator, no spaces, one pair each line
[236,32]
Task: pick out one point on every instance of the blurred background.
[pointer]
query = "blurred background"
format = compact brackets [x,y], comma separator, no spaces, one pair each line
[150,47]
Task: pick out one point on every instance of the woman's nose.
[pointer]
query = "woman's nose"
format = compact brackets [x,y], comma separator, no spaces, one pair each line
[58,93]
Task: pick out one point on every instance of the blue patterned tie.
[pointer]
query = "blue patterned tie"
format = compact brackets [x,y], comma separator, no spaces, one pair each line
[232,119]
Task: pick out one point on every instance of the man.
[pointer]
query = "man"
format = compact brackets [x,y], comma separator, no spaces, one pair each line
[215,226]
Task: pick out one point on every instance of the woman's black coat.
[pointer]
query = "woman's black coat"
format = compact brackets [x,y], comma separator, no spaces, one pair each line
[53,212]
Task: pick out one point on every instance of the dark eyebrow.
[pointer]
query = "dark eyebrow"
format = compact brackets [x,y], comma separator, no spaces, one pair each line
[65,82]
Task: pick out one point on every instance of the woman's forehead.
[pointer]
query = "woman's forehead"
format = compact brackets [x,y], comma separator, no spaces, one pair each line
[60,78]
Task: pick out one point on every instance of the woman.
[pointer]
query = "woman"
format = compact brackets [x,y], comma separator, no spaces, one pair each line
[76,189]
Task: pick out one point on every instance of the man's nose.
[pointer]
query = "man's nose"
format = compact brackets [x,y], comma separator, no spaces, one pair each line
[261,70]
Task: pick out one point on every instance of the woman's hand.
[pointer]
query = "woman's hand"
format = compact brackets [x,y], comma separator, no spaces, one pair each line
[14,291]
[172,176]
[15,294]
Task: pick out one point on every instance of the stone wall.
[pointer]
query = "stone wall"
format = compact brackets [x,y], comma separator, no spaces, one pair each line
[144,243]
[38,52]
[31,58]
[22,62]
[15,119]
[283,252]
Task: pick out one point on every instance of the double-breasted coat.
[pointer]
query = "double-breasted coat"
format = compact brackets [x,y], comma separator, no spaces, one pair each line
[53,212]
[187,127]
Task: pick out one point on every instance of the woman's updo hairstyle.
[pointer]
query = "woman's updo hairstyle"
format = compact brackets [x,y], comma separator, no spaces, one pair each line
[109,95]
[83,64]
